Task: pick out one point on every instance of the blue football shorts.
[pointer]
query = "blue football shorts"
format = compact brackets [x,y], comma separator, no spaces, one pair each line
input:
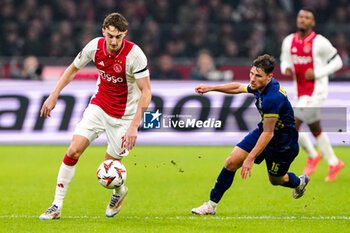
[278,160]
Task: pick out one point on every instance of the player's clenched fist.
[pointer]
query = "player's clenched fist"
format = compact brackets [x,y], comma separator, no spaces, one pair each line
[202,88]
[310,74]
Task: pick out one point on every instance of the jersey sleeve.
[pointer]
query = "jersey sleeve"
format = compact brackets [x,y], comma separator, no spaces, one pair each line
[137,63]
[86,54]
[327,51]
[248,89]
[272,106]
[329,55]
[286,58]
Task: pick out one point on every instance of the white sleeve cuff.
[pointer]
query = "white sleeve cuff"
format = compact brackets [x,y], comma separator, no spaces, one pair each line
[142,74]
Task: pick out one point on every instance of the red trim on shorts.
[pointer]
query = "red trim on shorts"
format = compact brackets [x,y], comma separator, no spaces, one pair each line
[69,161]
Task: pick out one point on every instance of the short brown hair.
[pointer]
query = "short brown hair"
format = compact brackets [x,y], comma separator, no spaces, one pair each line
[265,62]
[116,20]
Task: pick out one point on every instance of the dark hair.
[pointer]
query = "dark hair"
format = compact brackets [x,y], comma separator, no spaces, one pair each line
[116,20]
[265,62]
[310,9]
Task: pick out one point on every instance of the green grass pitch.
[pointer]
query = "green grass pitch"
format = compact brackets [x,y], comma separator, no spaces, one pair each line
[164,184]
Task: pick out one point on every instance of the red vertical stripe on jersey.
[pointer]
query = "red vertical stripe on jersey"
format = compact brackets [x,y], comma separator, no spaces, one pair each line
[301,51]
[113,87]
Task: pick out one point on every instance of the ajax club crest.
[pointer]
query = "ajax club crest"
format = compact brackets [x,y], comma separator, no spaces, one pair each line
[117,68]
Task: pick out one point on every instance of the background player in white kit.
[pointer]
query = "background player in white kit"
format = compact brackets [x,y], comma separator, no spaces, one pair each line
[310,58]
[123,90]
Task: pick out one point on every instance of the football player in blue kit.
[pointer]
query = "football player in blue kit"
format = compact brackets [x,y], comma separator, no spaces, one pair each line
[275,140]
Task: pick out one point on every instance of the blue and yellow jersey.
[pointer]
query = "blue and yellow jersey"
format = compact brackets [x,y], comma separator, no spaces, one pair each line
[273,102]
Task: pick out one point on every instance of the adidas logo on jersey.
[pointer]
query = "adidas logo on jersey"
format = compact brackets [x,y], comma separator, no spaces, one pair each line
[101,63]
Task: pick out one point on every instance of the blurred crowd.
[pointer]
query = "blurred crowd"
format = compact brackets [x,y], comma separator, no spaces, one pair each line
[226,29]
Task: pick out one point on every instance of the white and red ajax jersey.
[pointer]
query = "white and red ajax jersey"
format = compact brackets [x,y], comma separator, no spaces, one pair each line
[315,52]
[117,92]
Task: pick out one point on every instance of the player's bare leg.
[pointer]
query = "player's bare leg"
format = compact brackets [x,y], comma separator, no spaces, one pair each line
[224,181]
[65,176]
[279,180]
[118,195]
[322,141]
[314,157]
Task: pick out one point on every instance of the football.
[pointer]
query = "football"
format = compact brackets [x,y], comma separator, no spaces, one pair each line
[111,174]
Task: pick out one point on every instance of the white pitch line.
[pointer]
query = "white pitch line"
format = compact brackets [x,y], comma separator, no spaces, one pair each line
[195,217]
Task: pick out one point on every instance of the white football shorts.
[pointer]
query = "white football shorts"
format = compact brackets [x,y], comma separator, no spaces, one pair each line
[95,121]
[308,109]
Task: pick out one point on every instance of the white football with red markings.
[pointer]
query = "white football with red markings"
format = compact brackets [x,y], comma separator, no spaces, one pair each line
[111,174]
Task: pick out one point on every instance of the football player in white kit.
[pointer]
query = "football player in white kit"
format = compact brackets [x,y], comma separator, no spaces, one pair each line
[123,91]
[310,58]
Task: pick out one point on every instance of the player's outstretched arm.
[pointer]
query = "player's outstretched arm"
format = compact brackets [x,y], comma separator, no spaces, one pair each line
[264,139]
[146,95]
[51,101]
[230,88]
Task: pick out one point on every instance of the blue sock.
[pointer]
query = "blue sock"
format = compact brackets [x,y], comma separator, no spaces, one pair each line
[223,183]
[294,181]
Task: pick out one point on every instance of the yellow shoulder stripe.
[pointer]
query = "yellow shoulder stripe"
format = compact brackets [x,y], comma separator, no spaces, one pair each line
[271,115]
[246,88]
[282,91]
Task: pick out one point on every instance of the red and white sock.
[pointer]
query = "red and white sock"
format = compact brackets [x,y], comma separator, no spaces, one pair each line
[306,144]
[64,178]
[326,149]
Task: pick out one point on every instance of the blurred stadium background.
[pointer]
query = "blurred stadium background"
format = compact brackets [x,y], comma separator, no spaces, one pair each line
[233,32]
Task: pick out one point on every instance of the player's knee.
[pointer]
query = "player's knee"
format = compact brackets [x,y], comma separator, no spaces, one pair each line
[230,164]
[74,152]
